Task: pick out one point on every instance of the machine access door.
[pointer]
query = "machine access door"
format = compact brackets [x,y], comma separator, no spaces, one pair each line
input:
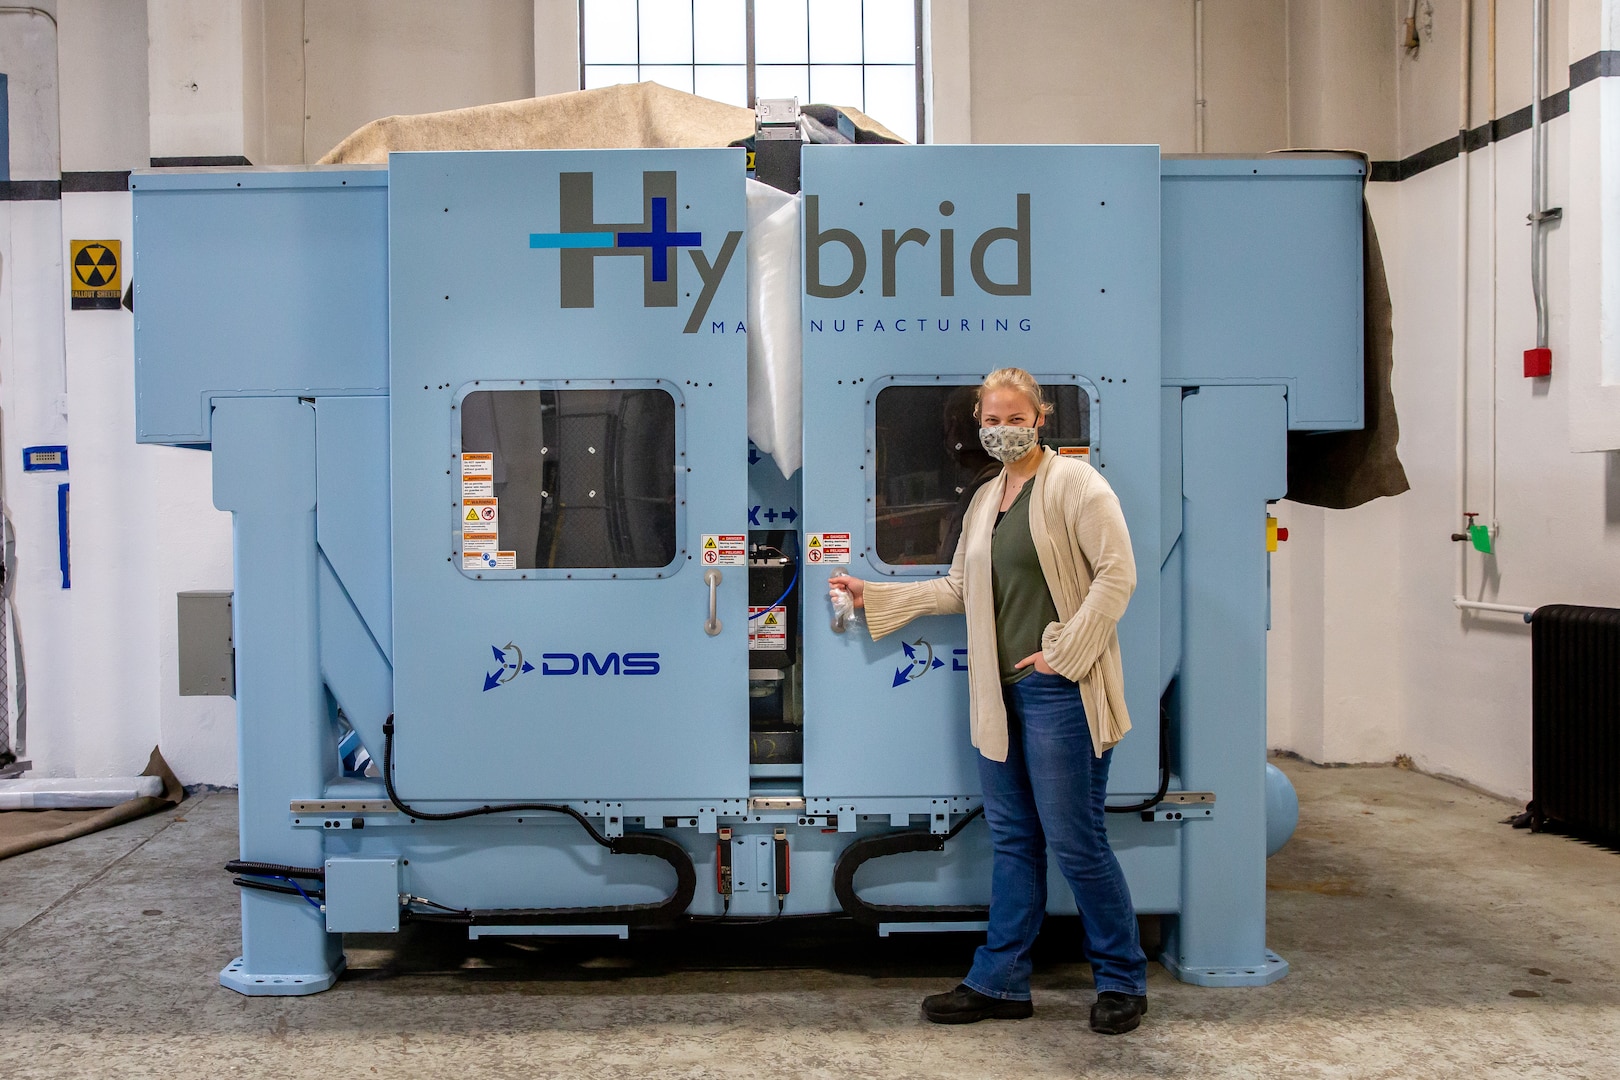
[925,268]
[568,404]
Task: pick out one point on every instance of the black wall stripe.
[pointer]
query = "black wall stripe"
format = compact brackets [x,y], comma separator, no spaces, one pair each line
[1600,65]
[30,190]
[198,162]
[95,181]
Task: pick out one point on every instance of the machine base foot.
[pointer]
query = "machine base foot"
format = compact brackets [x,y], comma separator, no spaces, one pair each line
[1272,968]
[237,977]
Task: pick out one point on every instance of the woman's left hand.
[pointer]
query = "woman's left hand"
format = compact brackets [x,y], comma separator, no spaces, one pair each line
[1039,660]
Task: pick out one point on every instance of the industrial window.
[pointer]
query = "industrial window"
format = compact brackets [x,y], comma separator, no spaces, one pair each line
[929,463]
[568,479]
[862,53]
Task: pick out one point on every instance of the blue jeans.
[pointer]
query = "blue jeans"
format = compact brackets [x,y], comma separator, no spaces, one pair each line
[1050,791]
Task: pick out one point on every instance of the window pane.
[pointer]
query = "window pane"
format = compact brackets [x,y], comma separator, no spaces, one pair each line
[930,464]
[727,83]
[666,32]
[836,85]
[891,99]
[610,31]
[721,31]
[835,32]
[676,78]
[583,478]
[779,32]
[782,81]
[609,75]
[891,32]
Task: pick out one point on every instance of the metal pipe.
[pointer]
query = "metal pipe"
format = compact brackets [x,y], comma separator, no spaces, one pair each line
[1506,609]
[1198,76]
[1463,113]
[1537,196]
[1495,525]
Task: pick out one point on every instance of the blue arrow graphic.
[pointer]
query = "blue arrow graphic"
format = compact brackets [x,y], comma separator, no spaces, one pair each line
[500,657]
[492,681]
[901,675]
[911,654]
[530,667]
[790,515]
[938,662]
[753,455]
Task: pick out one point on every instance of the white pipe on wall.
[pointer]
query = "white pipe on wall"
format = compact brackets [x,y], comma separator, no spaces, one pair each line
[1198,76]
[1464,73]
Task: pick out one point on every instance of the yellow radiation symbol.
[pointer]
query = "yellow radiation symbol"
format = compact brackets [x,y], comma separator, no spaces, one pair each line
[95,264]
[472,515]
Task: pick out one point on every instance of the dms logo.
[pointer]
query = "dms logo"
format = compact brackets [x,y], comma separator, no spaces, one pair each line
[631,663]
[656,239]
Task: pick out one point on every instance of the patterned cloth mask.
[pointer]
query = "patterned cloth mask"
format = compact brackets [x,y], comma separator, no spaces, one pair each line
[1007,444]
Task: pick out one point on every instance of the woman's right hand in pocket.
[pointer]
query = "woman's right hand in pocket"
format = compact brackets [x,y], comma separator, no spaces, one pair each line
[854,586]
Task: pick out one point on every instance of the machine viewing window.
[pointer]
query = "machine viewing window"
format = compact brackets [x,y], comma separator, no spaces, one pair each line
[930,463]
[568,479]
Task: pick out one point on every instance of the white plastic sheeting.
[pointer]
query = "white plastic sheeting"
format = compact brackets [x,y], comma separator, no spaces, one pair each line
[775,349]
[70,794]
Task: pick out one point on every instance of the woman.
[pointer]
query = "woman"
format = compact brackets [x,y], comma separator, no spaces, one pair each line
[1043,572]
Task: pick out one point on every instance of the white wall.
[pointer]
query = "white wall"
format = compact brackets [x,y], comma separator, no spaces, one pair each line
[1369,657]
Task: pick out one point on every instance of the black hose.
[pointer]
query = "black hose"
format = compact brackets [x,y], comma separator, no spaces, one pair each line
[864,851]
[1164,771]
[270,886]
[266,869]
[645,843]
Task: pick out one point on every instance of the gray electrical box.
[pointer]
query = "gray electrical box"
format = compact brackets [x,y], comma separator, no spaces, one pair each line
[207,649]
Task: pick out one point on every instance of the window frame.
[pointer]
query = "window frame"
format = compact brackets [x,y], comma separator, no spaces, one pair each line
[919,23]
[586,573]
[931,570]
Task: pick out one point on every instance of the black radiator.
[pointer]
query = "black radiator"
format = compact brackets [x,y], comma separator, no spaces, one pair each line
[1575,698]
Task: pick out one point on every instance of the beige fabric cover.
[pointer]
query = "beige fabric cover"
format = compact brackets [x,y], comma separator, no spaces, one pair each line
[610,118]
[1085,554]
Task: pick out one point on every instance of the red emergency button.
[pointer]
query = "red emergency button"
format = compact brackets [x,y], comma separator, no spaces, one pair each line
[1282,535]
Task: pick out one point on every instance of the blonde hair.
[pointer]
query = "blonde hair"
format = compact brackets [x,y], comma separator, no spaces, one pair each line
[1011,378]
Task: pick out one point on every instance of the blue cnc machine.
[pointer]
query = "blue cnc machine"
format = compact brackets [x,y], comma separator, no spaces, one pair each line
[530,639]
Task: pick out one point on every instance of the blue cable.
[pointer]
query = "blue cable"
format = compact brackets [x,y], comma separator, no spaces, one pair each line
[794,581]
[301,891]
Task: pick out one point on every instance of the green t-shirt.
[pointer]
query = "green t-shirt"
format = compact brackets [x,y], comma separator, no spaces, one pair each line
[1024,605]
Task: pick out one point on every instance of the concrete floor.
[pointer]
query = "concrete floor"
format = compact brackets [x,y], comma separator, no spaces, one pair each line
[1426,941]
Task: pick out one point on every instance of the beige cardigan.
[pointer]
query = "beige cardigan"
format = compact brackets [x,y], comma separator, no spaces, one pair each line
[1085,555]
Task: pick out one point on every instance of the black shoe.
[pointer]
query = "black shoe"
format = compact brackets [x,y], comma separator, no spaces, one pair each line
[964,1005]
[1116,1013]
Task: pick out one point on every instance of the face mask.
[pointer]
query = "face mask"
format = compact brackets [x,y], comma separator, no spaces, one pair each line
[1007,444]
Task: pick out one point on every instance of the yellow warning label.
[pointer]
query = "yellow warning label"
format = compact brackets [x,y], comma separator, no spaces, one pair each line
[815,541]
[750,161]
[472,515]
[708,542]
[98,277]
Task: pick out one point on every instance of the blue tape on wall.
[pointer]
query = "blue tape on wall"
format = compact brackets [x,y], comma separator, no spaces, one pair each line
[45,459]
[62,533]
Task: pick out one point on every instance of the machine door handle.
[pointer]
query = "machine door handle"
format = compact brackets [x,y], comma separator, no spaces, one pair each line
[711,578]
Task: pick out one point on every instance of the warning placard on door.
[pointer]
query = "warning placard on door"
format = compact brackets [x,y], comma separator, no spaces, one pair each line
[725,549]
[480,516]
[97,274]
[829,548]
[477,476]
[474,543]
[767,629]
[479,559]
